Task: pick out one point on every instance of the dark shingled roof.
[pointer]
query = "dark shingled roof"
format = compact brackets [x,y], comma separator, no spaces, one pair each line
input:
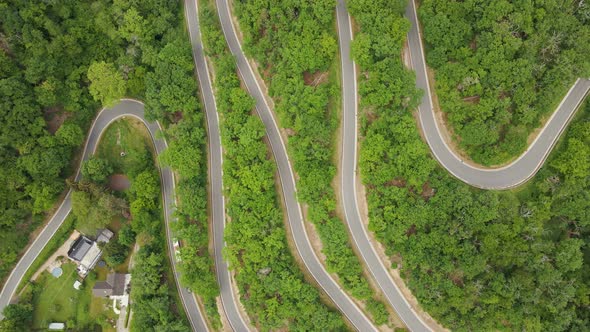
[102,289]
[118,282]
[79,248]
[115,285]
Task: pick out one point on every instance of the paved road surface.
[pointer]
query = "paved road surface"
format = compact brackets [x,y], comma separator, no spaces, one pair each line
[349,172]
[126,108]
[510,175]
[295,218]
[228,300]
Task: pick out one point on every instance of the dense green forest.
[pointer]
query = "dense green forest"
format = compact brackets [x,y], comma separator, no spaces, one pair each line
[57,61]
[295,44]
[501,66]
[476,260]
[273,290]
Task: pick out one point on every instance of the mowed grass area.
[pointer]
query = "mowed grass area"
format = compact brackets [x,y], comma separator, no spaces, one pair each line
[56,300]
[130,136]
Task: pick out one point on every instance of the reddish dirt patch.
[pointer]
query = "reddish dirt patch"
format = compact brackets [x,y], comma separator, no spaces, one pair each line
[400,183]
[266,73]
[411,231]
[427,191]
[316,78]
[371,115]
[290,132]
[176,117]
[473,44]
[457,278]
[471,99]
[119,182]
[54,118]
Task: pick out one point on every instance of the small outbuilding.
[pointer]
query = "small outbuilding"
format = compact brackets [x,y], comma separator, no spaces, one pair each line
[104,235]
[56,327]
[77,284]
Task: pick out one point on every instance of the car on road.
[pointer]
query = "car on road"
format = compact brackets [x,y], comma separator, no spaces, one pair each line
[176,245]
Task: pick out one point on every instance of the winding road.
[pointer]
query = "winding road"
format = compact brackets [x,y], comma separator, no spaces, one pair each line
[349,179]
[505,177]
[511,175]
[126,108]
[229,302]
[287,179]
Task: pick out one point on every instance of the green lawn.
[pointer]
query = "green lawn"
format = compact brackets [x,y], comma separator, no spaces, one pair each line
[56,300]
[131,137]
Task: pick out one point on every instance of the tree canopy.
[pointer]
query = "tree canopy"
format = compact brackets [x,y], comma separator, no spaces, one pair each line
[106,83]
[502,66]
[273,290]
[296,45]
[96,169]
[475,259]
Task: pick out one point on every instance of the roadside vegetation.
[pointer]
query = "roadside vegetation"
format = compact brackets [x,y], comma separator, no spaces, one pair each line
[476,260]
[125,153]
[57,67]
[295,45]
[502,67]
[95,204]
[272,288]
[59,62]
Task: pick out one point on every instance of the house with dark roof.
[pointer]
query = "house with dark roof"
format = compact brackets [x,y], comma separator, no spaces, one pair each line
[116,286]
[86,253]
[79,248]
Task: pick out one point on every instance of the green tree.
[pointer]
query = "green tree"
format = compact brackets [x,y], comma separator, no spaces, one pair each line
[114,252]
[106,83]
[126,235]
[575,160]
[146,188]
[17,317]
[70,134]
[95,210]
[97,169]
[171,87]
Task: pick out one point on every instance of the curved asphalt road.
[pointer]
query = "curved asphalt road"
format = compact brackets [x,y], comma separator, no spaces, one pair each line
[349,195]
[130,108]
[295,217]
[511,175]
[228,300]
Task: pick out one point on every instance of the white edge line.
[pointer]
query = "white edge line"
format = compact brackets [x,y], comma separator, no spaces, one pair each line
[293,182]
[356,199]
[542,160]
[210,86]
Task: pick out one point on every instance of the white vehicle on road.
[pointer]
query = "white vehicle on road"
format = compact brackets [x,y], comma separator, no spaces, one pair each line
[176,245]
